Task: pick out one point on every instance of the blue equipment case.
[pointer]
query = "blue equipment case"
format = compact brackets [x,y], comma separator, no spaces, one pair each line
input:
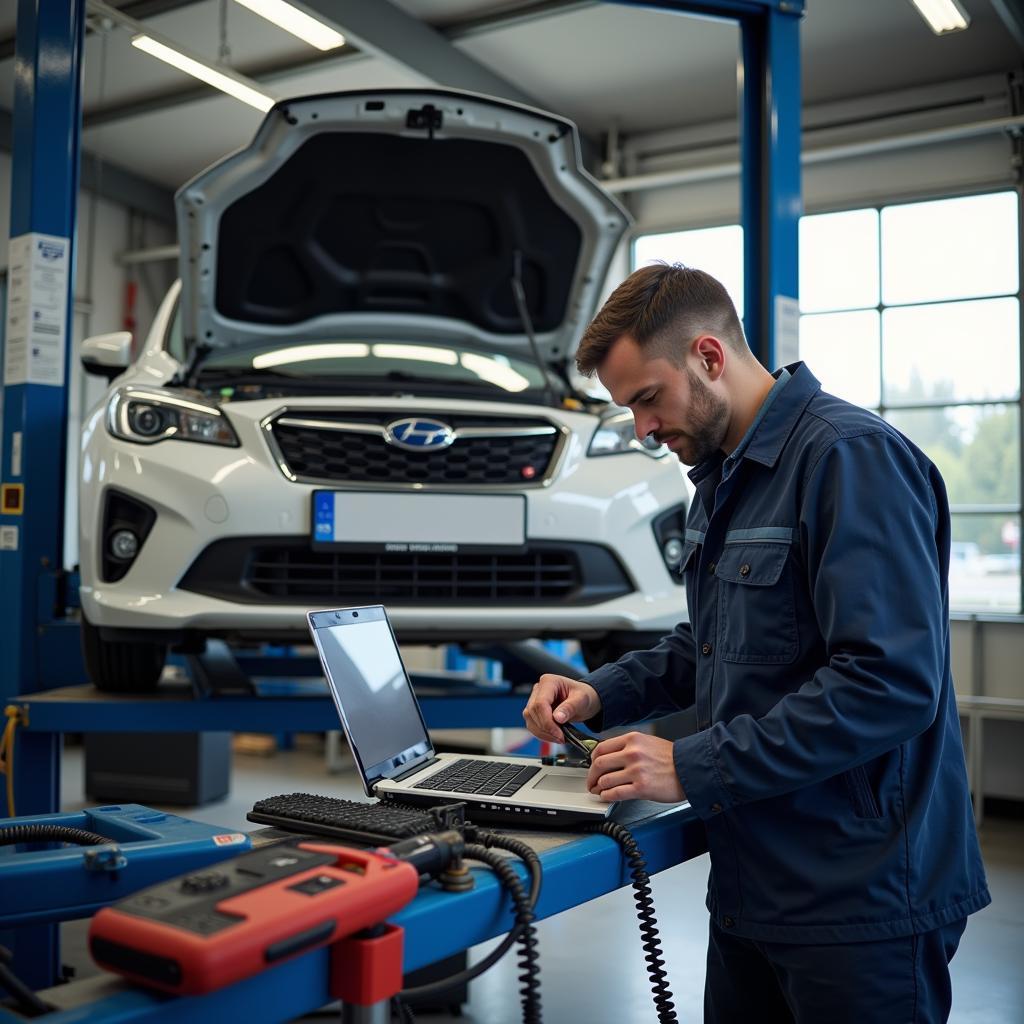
[58,883]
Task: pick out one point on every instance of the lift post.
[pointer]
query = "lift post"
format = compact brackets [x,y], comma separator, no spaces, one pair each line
[770,205]
[44,191]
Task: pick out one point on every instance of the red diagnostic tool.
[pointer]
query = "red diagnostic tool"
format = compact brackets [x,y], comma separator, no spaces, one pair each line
[211,928]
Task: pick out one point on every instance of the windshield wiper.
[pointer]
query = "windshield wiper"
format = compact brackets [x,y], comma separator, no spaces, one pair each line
[236,372]
[224,377]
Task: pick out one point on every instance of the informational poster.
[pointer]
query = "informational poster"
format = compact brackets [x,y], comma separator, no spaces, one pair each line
[787,331]
[37,300]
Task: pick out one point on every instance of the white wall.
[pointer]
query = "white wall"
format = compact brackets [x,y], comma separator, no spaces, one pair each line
[913,173]
[105,229]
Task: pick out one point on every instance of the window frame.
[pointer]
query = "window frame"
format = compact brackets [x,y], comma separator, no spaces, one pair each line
[924,196]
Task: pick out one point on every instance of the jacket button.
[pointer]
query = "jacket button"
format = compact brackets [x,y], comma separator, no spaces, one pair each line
[744,570]
[716,808]
[728,922]
[712,567]
[705,649]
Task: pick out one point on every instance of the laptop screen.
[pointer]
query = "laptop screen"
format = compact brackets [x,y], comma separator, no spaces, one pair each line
[371,690]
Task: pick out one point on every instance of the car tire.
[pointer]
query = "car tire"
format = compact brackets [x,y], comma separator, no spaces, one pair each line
[117,666]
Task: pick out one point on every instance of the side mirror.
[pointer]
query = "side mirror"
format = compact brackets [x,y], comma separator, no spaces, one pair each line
[107,355]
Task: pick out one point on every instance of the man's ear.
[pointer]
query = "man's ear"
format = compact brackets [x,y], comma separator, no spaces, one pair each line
[710,353]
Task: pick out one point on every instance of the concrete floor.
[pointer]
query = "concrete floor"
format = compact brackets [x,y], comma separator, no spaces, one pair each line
[592,964]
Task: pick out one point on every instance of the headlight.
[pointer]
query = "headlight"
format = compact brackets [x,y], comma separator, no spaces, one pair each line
[145,417]
[616,434]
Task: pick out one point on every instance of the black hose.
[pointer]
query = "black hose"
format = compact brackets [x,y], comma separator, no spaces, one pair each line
[16,834]
[529,855]
[29,1004]
[648,922]
[523,931]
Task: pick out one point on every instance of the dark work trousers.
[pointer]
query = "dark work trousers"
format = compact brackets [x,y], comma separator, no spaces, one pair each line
[895,981]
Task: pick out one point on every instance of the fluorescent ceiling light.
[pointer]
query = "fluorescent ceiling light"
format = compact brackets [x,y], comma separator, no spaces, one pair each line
[494,372]
[421,353]
[300,24]
[943,15]
[310,353]
[227,82]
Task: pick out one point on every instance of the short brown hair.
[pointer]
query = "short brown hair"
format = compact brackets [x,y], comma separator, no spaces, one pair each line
[664,306]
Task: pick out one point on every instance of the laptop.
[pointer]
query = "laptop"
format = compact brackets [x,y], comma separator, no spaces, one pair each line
[393,751]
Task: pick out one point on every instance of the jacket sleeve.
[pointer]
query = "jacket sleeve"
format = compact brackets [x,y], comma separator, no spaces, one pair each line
[873,528]
[647,684]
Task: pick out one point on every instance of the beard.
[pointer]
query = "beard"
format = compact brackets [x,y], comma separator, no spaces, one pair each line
[709,423]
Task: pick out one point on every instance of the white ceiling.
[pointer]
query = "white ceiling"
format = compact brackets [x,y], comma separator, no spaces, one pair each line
[603,65]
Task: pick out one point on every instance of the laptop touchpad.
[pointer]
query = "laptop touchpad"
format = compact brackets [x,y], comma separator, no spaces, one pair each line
[562,783]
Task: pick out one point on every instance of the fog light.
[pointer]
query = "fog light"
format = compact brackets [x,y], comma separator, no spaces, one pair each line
[124,544]
[672,552]
[669,535]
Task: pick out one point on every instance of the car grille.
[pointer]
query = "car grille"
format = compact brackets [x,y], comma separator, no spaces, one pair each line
[351,447]
[534,576]
[265,571]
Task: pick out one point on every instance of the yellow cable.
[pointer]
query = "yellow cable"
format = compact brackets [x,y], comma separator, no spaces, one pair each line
[13,714]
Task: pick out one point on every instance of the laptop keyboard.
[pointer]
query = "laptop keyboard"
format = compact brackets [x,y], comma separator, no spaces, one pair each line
[484,778]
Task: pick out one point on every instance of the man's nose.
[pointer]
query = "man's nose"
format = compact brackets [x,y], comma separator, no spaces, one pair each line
[643,425]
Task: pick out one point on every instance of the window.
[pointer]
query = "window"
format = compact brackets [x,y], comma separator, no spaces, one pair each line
[719,251]
[913,311]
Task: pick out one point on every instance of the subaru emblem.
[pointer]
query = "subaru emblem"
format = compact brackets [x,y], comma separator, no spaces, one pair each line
[418,434]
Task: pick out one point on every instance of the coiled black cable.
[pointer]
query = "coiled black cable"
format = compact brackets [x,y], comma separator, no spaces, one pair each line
[16,834]
[648,922]
[529,965]
[523,931]
[529,855]
[523,850]
[401,1011]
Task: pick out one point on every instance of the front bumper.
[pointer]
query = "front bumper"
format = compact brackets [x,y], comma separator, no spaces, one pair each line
[208,498]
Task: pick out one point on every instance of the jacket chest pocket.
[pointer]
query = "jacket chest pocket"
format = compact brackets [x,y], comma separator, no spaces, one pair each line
[756,605]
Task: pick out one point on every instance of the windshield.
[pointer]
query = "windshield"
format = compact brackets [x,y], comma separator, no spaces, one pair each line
[368,362]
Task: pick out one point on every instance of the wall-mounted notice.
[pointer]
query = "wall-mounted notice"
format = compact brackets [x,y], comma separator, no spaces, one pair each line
[787,331]
[37,301]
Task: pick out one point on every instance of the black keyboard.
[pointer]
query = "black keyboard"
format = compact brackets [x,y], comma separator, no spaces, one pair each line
[483,778]
[374,824]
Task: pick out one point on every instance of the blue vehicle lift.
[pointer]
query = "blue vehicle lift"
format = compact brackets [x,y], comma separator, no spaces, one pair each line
[46,127]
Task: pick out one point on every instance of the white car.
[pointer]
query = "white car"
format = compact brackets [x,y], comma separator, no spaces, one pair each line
[360,393]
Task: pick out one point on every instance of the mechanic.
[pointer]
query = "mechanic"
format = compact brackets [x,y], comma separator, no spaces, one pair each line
[827,763]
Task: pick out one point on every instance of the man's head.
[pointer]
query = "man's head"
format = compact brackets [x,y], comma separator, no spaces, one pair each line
[662,345]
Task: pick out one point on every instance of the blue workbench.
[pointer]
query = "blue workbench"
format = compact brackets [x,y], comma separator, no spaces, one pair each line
[437,924]
[279,705]
[274,709]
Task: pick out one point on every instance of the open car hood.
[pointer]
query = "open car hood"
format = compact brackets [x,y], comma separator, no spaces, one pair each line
[397,213]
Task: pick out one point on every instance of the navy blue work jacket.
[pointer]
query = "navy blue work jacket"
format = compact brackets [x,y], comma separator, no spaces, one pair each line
[827,764]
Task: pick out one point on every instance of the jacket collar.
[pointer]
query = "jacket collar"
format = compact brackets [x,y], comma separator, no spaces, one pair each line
[773,431]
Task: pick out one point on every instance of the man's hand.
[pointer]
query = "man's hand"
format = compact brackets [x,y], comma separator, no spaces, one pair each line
[559,699]
[634,767]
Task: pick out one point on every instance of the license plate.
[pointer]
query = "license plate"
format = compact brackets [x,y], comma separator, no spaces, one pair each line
[418,522]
